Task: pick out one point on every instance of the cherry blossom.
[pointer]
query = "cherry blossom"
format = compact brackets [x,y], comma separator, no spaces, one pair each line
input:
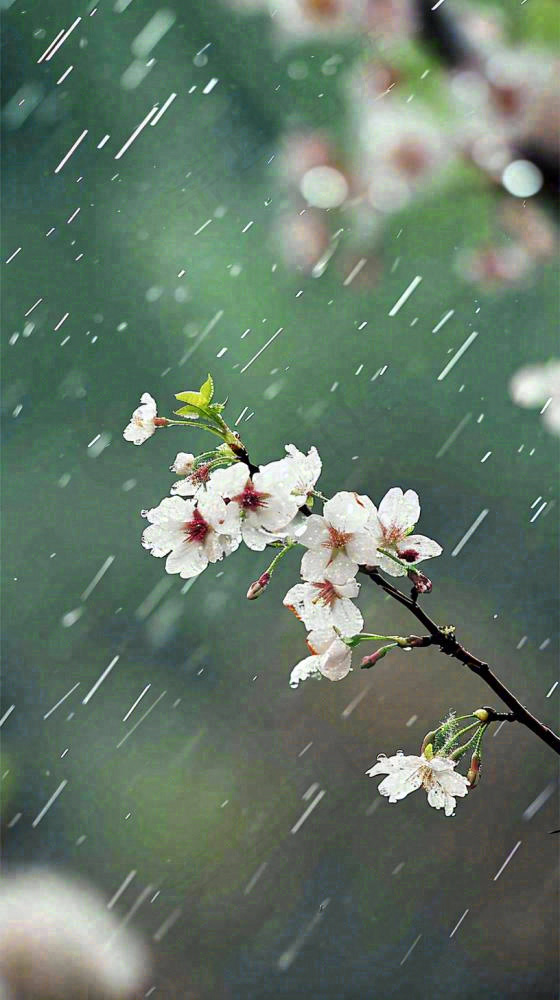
[322,603]
[194,480]
[143,422]
[391,526]
[331,658]
[54,937]
[340,536]
[407,773]
[298,471]
[262,502]
[536,385]
[191,534]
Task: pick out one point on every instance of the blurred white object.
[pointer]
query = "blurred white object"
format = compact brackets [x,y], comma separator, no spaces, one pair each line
[539,385]
[58,941]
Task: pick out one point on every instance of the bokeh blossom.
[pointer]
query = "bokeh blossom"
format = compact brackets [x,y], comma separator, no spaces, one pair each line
[539,385]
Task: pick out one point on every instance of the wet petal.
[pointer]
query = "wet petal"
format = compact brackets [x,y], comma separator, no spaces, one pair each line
[345,513]
[399,510]
[425,547]
[188,560]
[314,564]
[316,533]
[305,669]
[347,617]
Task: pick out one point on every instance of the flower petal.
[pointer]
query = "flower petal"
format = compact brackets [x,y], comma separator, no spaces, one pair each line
[314,564]
[188,560]
[425,547]
[316,532]
[398,509]
[401,783]
[362,549]
[171,510]
[229,482]
[345,513]
[335,662]
[347,617]
[305,669]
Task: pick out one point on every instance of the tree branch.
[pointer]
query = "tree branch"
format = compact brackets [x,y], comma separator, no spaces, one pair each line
[445,639]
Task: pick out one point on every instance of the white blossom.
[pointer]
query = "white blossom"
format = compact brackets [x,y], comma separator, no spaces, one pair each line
[57,939]
[195,480]
[142,424]
[262,502]
[297,472]
[331,658]
[406,774]
[322,603]
[539,385]
[191,534]
[391,525]
[338,536]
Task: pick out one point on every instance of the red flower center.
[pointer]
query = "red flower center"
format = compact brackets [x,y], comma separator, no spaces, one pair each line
[201,475]
[197,528]
[409,555]
[250,498]
[337,539]
[327,594]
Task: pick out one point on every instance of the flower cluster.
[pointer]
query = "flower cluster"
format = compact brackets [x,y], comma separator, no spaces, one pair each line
[221,500]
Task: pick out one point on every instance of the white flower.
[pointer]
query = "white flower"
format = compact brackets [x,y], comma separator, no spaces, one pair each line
[321,603]
[191,534]
[194,481]
[183,463]
[536,385]
[331,658]
[339,536]
[262,502]
[57,939]
[142,424]
[406,774]
[297,472]
[390,526]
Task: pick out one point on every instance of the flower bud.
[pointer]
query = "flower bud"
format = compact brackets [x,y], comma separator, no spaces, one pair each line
[161,422]
[473,773]
[258,587]
[371,660]
[482,714]
[421,582]
[429,738]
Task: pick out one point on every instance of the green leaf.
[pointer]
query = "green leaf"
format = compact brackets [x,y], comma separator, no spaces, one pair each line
[188,397]
[188,411]
[206,391]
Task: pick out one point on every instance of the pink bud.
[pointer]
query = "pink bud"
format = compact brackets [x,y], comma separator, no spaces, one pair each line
[421,582]
[371,660]
[258,587]
[161,422]
[473,773]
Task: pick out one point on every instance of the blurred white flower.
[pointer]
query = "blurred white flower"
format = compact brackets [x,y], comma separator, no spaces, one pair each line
[262,502]
[330,658]
[191,534]
[338,538]
[406,774]
[404,150]
[322,603]
[539,385]
[142,424]
[391,525]
[58,941]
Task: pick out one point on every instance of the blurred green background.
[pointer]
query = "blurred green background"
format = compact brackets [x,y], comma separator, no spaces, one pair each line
[201,797]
